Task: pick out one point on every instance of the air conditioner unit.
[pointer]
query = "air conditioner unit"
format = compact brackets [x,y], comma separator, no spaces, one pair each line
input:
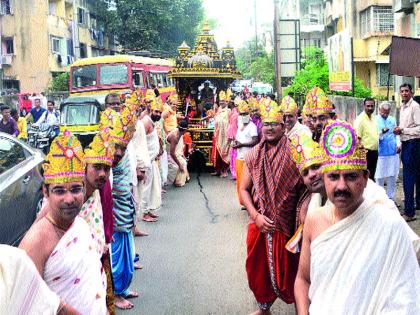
[6,60]
[406,6]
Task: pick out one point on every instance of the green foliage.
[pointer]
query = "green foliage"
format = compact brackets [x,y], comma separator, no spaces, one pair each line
[260,68]
[153,25]
[314,72]
[59,83]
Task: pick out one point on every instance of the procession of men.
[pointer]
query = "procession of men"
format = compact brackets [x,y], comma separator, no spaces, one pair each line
[321,234]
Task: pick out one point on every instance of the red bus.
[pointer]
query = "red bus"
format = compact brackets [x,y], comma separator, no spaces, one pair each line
[98,76]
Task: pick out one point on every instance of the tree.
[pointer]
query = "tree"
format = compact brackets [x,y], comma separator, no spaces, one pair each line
[314,72]
[154,25]
[60,83]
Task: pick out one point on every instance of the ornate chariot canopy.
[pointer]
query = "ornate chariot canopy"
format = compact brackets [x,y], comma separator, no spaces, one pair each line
[205,60]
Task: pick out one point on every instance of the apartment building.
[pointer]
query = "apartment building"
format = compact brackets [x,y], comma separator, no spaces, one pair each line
[40,39]
[371,25]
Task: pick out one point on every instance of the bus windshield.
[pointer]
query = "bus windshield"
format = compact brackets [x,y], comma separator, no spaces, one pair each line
[113,74]
[84,76]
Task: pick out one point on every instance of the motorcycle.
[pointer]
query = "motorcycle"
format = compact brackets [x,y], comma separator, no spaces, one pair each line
[41,136]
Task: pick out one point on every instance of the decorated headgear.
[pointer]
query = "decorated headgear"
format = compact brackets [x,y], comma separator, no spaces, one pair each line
[150,95]
[65,161]
[229,94]
[101,149]
[341,148]
[318,102]
[253,104]
[223,97]
[157,104]
[270,112]
[306,110]
[305,151]
[108,117]
[173,98]
[124,127]
[134,100]
[288,105]
[243,107]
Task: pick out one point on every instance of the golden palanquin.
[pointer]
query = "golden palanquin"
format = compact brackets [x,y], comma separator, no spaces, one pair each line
[194,66]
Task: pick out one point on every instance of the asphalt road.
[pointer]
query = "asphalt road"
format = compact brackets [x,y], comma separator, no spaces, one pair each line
[194,258]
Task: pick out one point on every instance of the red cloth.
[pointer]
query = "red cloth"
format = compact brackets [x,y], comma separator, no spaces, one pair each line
[107,204]
[278,188]
[285,265]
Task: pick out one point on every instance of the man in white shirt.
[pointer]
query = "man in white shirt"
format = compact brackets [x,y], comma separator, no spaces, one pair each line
[50,117]
[246,137]
[409,132]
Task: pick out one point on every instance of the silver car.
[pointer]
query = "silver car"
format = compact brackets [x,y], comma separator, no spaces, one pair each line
[20,187]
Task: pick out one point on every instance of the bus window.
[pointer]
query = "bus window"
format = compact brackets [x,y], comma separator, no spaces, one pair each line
[84,76]
[113,74]
[163,79]
[138,79]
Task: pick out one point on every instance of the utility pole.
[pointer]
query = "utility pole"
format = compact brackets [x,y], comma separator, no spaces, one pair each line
[256,29]
[277,49]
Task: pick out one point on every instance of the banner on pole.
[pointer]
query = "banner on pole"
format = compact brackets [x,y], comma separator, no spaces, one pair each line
[340,62]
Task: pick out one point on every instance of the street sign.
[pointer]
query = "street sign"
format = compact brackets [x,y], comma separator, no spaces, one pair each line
[340,61]
[289,36]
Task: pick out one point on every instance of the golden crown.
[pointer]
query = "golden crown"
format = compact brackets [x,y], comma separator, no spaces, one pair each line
[223,96]
[124,127]
[288,105]
[150,95]
[317,102]
[65,161]
[243,107]
[341,148]
[305,151]
[270,111]
[101,149]
[157,104]
[108,117]
[173,98]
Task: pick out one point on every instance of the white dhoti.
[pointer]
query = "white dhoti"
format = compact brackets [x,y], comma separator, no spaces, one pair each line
[163,165]
[387,171]
[73,271]
[151,199]
[365,264]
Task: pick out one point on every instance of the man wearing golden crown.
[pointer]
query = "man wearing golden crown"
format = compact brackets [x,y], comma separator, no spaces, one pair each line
[220,150]
[170,115]
[60,243]
[289,109]
[122,246]
[151,199]
[272,191]
[357,255]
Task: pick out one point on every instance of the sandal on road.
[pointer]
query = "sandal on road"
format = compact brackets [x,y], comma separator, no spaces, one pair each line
[409,219]
[131,295]
[122,303]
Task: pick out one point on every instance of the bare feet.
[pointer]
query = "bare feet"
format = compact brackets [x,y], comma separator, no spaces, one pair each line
[215,174]
[132,295]
[224,175]
[261,312]
[137,232]
[122,303]
[148,218]
[164,191]
[153,215]
[138,266]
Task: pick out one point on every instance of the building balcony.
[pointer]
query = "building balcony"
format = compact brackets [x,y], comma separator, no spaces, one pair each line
[6,60]
[406,6]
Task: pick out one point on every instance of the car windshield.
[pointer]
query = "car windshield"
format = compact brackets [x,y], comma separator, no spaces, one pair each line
[84,76]
[80,115]
[113,74]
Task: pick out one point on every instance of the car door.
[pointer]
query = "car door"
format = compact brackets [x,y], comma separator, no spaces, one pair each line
[15,178]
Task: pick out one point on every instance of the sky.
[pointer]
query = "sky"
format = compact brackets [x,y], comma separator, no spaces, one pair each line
[235,19]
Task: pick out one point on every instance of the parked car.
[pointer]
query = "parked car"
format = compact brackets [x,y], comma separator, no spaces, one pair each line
[20,187]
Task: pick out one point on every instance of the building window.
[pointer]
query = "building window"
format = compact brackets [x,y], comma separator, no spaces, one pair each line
[83,50]
[52,8]
[8,46]
[376,19]
[56,45]
[81,16]
[382,71]
[5,7]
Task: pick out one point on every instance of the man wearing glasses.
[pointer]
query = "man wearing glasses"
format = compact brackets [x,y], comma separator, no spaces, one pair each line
[60,244]
[272,190]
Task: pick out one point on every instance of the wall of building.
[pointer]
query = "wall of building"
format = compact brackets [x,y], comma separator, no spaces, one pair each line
[25,26]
